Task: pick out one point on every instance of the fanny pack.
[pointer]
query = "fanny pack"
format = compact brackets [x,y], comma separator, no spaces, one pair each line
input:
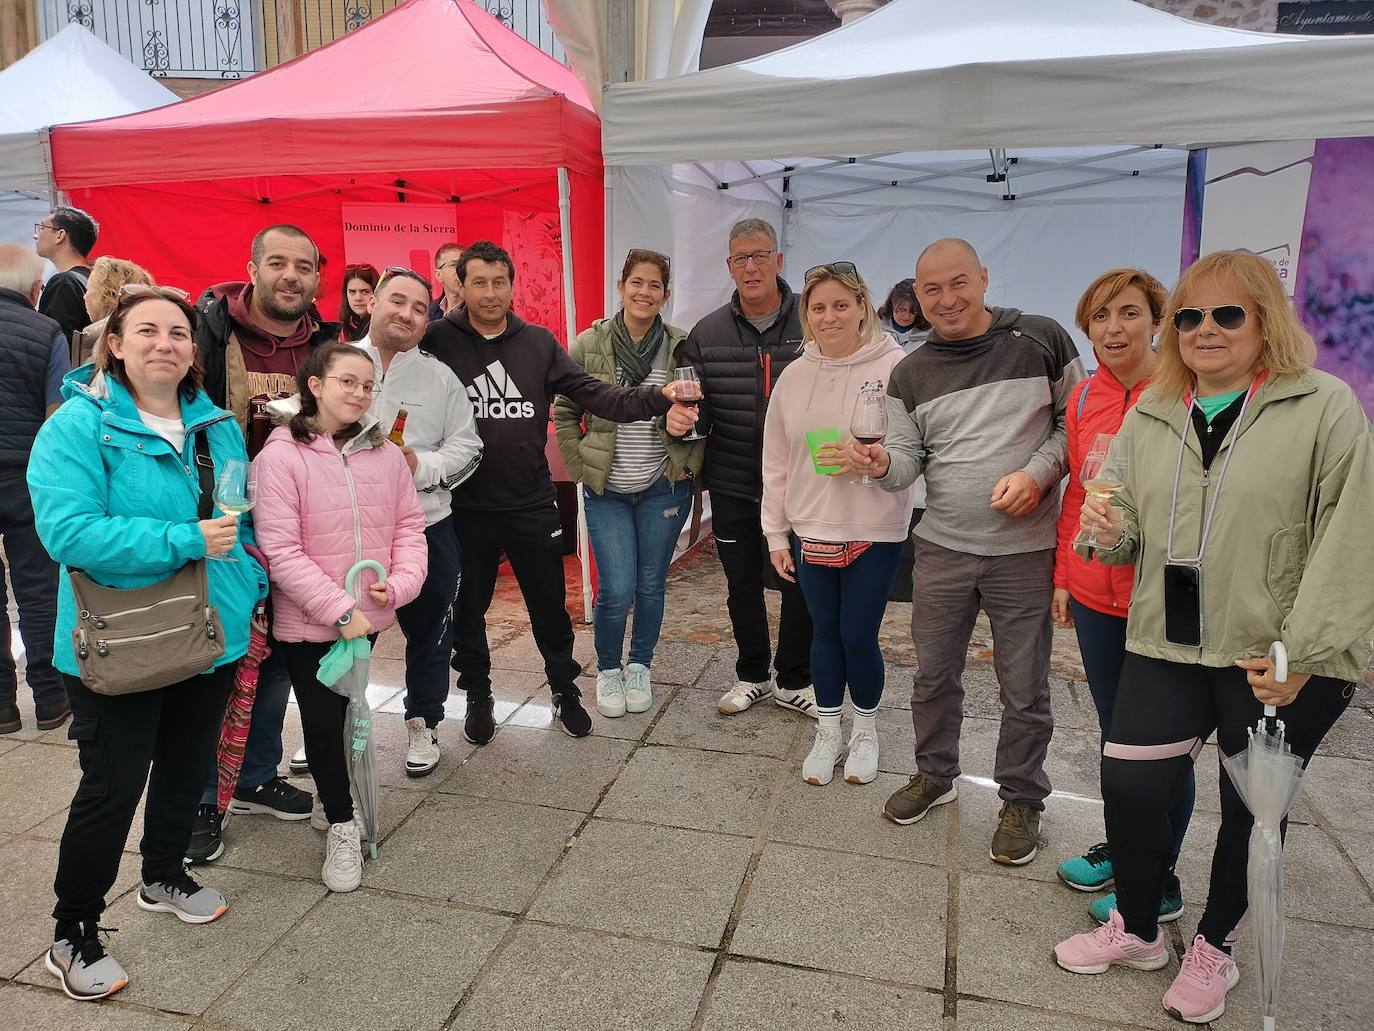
[827,553]
[129,640]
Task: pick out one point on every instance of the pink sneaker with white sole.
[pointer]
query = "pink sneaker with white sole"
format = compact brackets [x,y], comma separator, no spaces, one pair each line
[1198,994]
[1095,952]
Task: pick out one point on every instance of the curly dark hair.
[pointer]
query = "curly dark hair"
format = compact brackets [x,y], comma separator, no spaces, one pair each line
[484,250]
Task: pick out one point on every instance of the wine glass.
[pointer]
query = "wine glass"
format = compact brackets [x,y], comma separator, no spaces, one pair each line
[689,394]
[235,492]
[1103,475]
[869,423]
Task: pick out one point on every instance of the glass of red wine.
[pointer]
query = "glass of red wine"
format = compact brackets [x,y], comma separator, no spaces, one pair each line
[689,393]
[869,423]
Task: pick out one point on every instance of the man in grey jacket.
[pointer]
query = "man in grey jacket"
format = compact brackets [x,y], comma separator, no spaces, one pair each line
[980,411]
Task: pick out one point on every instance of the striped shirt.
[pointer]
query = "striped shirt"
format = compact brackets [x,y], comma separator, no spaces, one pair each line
[640,457]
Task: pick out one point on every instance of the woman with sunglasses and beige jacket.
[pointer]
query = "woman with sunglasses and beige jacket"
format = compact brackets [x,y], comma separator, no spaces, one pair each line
[1245,511]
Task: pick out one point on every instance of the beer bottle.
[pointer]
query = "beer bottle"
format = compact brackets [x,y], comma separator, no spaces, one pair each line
[398,429]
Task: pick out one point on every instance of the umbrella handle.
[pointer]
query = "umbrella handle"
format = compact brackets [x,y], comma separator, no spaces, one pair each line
[352,575]
[1278,655]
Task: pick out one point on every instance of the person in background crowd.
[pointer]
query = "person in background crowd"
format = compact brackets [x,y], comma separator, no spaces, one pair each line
[511,371]
[638,480]
[34,351]
[354,304]
[108,277]
[317,516]
[65,238]
[987,539]
[252,339]
[901,316]
[113,498]
[438,437]
[839,539]
[1120,312]
[321,282]
[739,351]
[1245,511]
[446,272]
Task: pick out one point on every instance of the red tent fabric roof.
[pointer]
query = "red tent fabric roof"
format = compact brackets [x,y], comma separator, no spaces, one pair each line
[432,84]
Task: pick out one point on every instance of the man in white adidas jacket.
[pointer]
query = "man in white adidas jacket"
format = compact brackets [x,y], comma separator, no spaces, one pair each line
[443,449]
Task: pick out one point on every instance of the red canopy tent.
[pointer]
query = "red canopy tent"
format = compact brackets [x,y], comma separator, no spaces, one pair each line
[435,102]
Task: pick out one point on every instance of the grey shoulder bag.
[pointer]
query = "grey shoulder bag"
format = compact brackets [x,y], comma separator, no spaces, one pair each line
[143,638]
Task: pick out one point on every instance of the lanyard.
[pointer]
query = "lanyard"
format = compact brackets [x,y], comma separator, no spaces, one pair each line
[1216,496]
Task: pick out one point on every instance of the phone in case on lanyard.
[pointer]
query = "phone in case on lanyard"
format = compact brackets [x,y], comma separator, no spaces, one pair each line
[1183,604]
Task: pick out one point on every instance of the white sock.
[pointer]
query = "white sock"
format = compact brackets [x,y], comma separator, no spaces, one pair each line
[865,719]
[828,719]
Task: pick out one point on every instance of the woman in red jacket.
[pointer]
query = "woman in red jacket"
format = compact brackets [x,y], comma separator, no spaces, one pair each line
[1120,312]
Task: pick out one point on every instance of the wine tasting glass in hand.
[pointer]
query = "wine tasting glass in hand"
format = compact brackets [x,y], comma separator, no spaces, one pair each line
[869,424]
[689,394]
[235,493]
[1103,475]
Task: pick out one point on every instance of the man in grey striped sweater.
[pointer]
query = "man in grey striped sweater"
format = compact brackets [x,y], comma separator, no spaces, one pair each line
[980,411]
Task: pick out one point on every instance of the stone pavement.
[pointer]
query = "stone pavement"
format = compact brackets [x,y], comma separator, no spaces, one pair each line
[672,871]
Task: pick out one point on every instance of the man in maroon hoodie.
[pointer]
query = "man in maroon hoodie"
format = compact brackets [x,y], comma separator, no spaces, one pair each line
[251,339]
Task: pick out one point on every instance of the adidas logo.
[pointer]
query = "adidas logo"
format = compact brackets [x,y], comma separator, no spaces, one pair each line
[495,396]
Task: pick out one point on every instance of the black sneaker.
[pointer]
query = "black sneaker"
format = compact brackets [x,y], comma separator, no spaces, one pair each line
[206,843]
[275,798]
[480,724]
[9,719]
[568,711]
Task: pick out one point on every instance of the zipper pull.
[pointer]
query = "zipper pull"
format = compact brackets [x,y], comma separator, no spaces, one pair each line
[1206,477]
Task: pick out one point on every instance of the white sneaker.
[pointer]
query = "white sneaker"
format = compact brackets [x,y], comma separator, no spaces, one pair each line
[639,697]
[610,693]
[803,701]
[422,747]
[343,857]
[741,696]
[862,765]
[299,763]
[819,766]
[320,822]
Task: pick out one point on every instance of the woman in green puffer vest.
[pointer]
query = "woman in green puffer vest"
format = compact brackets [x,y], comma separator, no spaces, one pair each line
[638,480]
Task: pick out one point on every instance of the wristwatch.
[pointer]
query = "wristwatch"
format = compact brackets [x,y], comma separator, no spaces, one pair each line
[345,619]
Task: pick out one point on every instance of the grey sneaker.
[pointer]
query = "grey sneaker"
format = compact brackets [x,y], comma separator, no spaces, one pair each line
[911,803]
[83,966]
[1017,836]
[183,897]
[639,695]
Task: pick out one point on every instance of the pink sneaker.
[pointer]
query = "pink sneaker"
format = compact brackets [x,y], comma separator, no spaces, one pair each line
[1198,993]
[1094,951]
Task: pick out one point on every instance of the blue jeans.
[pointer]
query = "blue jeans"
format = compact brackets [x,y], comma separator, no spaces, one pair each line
[1102,643]
[846,607]
[632,539]
[262,753]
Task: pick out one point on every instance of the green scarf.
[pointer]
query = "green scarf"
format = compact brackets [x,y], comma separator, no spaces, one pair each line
[635,360]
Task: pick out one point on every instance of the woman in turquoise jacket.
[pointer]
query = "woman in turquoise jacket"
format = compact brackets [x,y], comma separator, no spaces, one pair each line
[115,494]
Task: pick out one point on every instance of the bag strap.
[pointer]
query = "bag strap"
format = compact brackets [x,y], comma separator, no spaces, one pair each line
[205,469]
[1083,397]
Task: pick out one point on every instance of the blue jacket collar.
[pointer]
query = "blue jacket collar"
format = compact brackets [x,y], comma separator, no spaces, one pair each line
[117,405]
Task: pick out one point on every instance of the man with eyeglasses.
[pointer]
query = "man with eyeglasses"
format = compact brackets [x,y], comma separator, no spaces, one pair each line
[446,271]
[739,351]
[65,238]
[438,437]
[252,338]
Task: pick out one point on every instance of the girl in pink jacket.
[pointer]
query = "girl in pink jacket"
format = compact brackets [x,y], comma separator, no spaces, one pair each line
[332,491]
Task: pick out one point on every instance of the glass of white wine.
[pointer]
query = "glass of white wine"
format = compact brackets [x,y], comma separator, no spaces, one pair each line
[235,493]
[1103,475]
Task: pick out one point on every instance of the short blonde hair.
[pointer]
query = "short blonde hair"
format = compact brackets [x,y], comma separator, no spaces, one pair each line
[109,276]
[869,328]
[1105,288]
[1286,348]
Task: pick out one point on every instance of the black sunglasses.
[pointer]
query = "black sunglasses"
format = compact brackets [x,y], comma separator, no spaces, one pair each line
[1226,316]
[835,268]
[409,273]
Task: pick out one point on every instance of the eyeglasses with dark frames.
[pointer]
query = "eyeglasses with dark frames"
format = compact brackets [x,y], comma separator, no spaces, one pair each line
[757,257]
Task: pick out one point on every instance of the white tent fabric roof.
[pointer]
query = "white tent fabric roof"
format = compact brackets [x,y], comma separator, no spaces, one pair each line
[73,77]
[923,75]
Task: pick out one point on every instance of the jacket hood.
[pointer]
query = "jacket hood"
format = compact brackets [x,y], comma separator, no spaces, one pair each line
[1174,410]
[459,317]
[811,352]
[283,410]
[1002,321]
[115,401]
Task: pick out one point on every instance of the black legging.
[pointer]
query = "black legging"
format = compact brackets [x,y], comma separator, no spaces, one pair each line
[322,722]
[1164,712]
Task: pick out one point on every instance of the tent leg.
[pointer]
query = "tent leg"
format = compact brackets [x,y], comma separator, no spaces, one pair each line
[570,314]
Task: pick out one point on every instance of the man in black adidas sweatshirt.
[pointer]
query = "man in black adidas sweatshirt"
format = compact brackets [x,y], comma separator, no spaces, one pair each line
[511,370]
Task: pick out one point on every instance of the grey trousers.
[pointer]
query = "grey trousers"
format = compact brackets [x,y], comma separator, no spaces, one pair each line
[948,589]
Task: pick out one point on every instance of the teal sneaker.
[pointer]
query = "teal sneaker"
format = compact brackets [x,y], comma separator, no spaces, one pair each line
[1091,871]
[1170,906]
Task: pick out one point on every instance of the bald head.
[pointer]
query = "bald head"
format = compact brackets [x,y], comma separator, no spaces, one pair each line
[950,284]
[951,247]
[21,270]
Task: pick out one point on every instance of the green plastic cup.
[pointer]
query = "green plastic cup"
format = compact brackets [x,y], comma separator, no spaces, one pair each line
[815,439]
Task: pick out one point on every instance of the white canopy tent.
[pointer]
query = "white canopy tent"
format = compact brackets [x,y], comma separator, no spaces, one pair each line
[73,77]
[860,143]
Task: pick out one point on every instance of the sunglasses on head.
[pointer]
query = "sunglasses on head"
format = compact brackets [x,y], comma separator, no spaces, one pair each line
[835,268]
[409,273]
[167,293]
[1226,316]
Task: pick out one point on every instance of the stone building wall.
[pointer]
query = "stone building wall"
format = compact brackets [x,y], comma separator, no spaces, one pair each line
[1260,15]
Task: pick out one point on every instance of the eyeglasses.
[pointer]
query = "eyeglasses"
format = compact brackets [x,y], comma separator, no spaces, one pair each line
[453,262]
[409,273]
[351,385]
[758,258]
[1226,316]
[167,293]
[835,268]
[38,227]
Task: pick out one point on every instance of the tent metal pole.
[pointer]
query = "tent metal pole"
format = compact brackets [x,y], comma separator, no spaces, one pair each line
[764,183]
[45,139]
[570,322]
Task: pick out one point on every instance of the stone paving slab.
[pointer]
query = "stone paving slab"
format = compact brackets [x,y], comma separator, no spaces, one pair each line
[705,791]
[849,817]
[693,720]
[1068,827]
[537,713]
[1342,790]
[522,654]
[510,689]
[541,767]
[980,1015]
[36,781]
[32,1009]
[1360,848]
[648,882]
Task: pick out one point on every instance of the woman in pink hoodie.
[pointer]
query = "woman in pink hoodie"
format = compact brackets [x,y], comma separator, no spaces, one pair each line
[332,491]
[840,540]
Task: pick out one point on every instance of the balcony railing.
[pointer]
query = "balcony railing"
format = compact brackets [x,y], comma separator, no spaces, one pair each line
[227,39]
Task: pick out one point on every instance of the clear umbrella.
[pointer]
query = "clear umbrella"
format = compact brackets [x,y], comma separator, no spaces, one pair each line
[344,670]
[1268,777]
